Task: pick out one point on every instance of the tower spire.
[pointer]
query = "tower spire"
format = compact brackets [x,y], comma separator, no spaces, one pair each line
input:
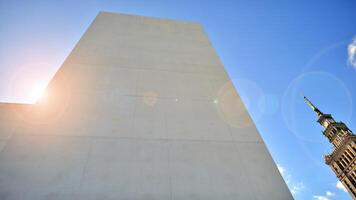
[342,159]
[315,109]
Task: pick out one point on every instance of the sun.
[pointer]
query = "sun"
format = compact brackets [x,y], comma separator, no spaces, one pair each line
[37,93]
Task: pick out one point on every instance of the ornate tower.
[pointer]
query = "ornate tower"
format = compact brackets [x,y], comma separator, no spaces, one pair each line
[342,159]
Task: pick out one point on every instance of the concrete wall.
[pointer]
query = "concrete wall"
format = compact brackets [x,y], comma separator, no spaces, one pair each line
[141,109]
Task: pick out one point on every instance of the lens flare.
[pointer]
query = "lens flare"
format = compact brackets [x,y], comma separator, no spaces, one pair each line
[296,114]
[150,98]
[37,93]
[230,106]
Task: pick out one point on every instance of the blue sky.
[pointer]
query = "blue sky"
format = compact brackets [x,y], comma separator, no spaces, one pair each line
[274,51]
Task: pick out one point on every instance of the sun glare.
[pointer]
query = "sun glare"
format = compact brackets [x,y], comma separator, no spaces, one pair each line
[36,94]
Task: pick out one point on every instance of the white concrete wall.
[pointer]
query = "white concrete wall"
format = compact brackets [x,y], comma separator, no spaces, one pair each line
[141,109]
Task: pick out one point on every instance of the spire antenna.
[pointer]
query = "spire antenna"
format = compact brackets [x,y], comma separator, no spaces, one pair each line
[314,108]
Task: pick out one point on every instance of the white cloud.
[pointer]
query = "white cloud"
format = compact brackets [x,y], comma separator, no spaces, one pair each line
[281,169]
[324,197]
[294,187]
[351,51]
[329,194]
[317,197]
[340,186]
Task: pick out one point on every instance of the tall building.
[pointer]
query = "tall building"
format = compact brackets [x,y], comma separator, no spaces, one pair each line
[141,109]
[342,159]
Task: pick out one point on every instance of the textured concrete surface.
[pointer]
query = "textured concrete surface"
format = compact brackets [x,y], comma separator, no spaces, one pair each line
[141,109]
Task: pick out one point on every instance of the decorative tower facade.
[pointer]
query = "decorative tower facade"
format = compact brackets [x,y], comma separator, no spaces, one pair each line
[342,160]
